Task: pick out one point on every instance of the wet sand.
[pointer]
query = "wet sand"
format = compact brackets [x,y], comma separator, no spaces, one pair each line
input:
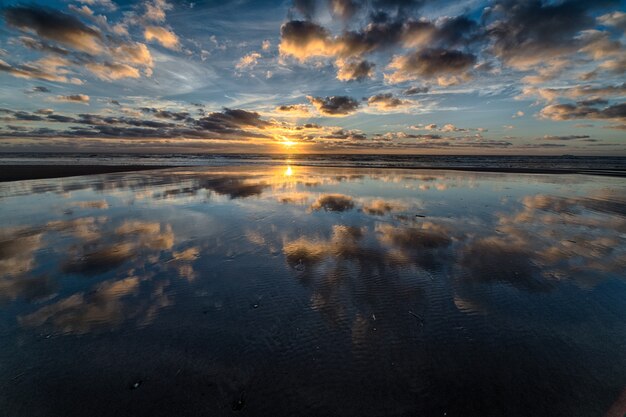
[299,291]
[33,172]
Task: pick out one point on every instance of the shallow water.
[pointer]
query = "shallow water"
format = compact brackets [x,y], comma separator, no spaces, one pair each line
[313,291]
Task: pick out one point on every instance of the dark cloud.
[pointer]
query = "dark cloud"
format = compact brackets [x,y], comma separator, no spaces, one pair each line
[60,118]
[416,90]
[165,114]
[334,105]
[54,25]
[386,101]
[305,7]
[40,89]
[583,110]
[355,70]
[74,98]
[22,115]
[567,137]
[430,63]
[303,39]
[344,134]
[294,109]
[448,32]
[39,45]
[231,121]
[527,32]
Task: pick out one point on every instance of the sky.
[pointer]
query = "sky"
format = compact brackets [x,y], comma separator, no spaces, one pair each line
[305,76]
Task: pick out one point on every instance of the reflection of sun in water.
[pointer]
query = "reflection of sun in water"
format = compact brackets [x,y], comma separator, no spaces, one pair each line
[288,171]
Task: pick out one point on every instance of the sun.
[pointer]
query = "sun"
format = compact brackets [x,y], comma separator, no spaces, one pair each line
[288,143]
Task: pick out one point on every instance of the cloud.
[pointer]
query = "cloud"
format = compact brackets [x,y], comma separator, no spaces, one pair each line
[416,90]
[40,89]
[248,61]
[616,127]
[73,98]
[156,9]
[335,105]
[566,137]
[133,53]
[387,101]
[344,9]
[354,70]
[303,40]
[598,45]
[164,36]
[50,68]
[616,19]
[445,65]
[106,4]
[583,110]
[71,45]
[297,110]
[56,26]
[552,94]
[530,32]
[446,32]
[230,119]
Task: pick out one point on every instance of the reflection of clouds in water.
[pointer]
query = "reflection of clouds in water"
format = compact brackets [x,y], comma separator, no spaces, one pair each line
[300,199]
[550,239]
[311,251]
[427,236]
[109,252]
[17,250]
[333,202]
[494,259]
[575,239]
[379,207]
[572,237]
[108,305]
[84,228]
[352,277]
[98,246]
[97,204]
[18,247]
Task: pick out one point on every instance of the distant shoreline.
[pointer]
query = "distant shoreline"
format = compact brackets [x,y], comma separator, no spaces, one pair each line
[33,172]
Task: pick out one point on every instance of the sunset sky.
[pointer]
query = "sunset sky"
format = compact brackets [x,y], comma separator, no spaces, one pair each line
[400,76]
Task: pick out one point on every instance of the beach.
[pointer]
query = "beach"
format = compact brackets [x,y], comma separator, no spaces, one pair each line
[25,166]
[294,290]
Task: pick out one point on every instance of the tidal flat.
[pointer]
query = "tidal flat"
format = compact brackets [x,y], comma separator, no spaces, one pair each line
[313,291]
